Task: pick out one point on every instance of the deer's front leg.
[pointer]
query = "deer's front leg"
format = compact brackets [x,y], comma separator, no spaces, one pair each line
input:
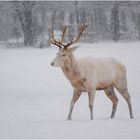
[76,95]
[91,96]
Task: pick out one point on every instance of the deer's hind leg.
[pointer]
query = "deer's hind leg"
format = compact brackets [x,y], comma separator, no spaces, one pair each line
[121,86]
[111,95]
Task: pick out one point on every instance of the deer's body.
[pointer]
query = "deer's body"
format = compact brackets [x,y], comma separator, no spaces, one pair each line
[90,74]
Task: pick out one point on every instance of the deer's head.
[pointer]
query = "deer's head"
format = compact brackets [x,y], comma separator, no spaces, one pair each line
[65,52]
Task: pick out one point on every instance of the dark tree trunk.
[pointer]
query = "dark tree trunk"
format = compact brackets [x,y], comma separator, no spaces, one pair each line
[138,23]
[115,29]
[77,12]
[28,34]
[25,15]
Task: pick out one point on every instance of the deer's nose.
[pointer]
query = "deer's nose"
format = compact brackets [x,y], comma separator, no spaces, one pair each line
[52,64]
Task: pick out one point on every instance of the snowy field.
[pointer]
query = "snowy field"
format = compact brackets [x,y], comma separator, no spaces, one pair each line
[35,97]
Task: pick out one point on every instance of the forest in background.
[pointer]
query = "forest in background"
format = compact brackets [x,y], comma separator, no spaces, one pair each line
[29,23]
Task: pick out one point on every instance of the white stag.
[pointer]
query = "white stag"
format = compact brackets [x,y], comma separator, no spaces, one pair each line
[90,74]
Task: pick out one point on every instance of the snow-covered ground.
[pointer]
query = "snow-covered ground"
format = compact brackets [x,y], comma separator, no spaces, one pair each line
[35,97]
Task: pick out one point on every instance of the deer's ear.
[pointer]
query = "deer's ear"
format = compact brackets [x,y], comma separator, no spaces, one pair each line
[74,48]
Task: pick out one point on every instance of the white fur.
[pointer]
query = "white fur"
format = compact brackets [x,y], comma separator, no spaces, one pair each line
[101,72]
[90,74]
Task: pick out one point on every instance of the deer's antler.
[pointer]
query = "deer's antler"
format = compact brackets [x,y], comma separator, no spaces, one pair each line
[64,28]
[53,41]
[60,42]
[82,28]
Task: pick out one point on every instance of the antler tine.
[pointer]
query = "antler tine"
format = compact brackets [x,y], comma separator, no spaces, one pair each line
[55,43]
[82,28]
[60,42]
[54,40]
[63,33]
[67,45]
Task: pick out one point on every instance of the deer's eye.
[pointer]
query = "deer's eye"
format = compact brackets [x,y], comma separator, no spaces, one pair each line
[63,55]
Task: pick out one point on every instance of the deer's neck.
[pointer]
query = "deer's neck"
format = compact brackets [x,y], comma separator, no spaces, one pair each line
[71,70]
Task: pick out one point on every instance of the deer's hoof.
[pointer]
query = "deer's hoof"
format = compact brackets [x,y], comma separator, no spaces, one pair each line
[68,119]
[112,117]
